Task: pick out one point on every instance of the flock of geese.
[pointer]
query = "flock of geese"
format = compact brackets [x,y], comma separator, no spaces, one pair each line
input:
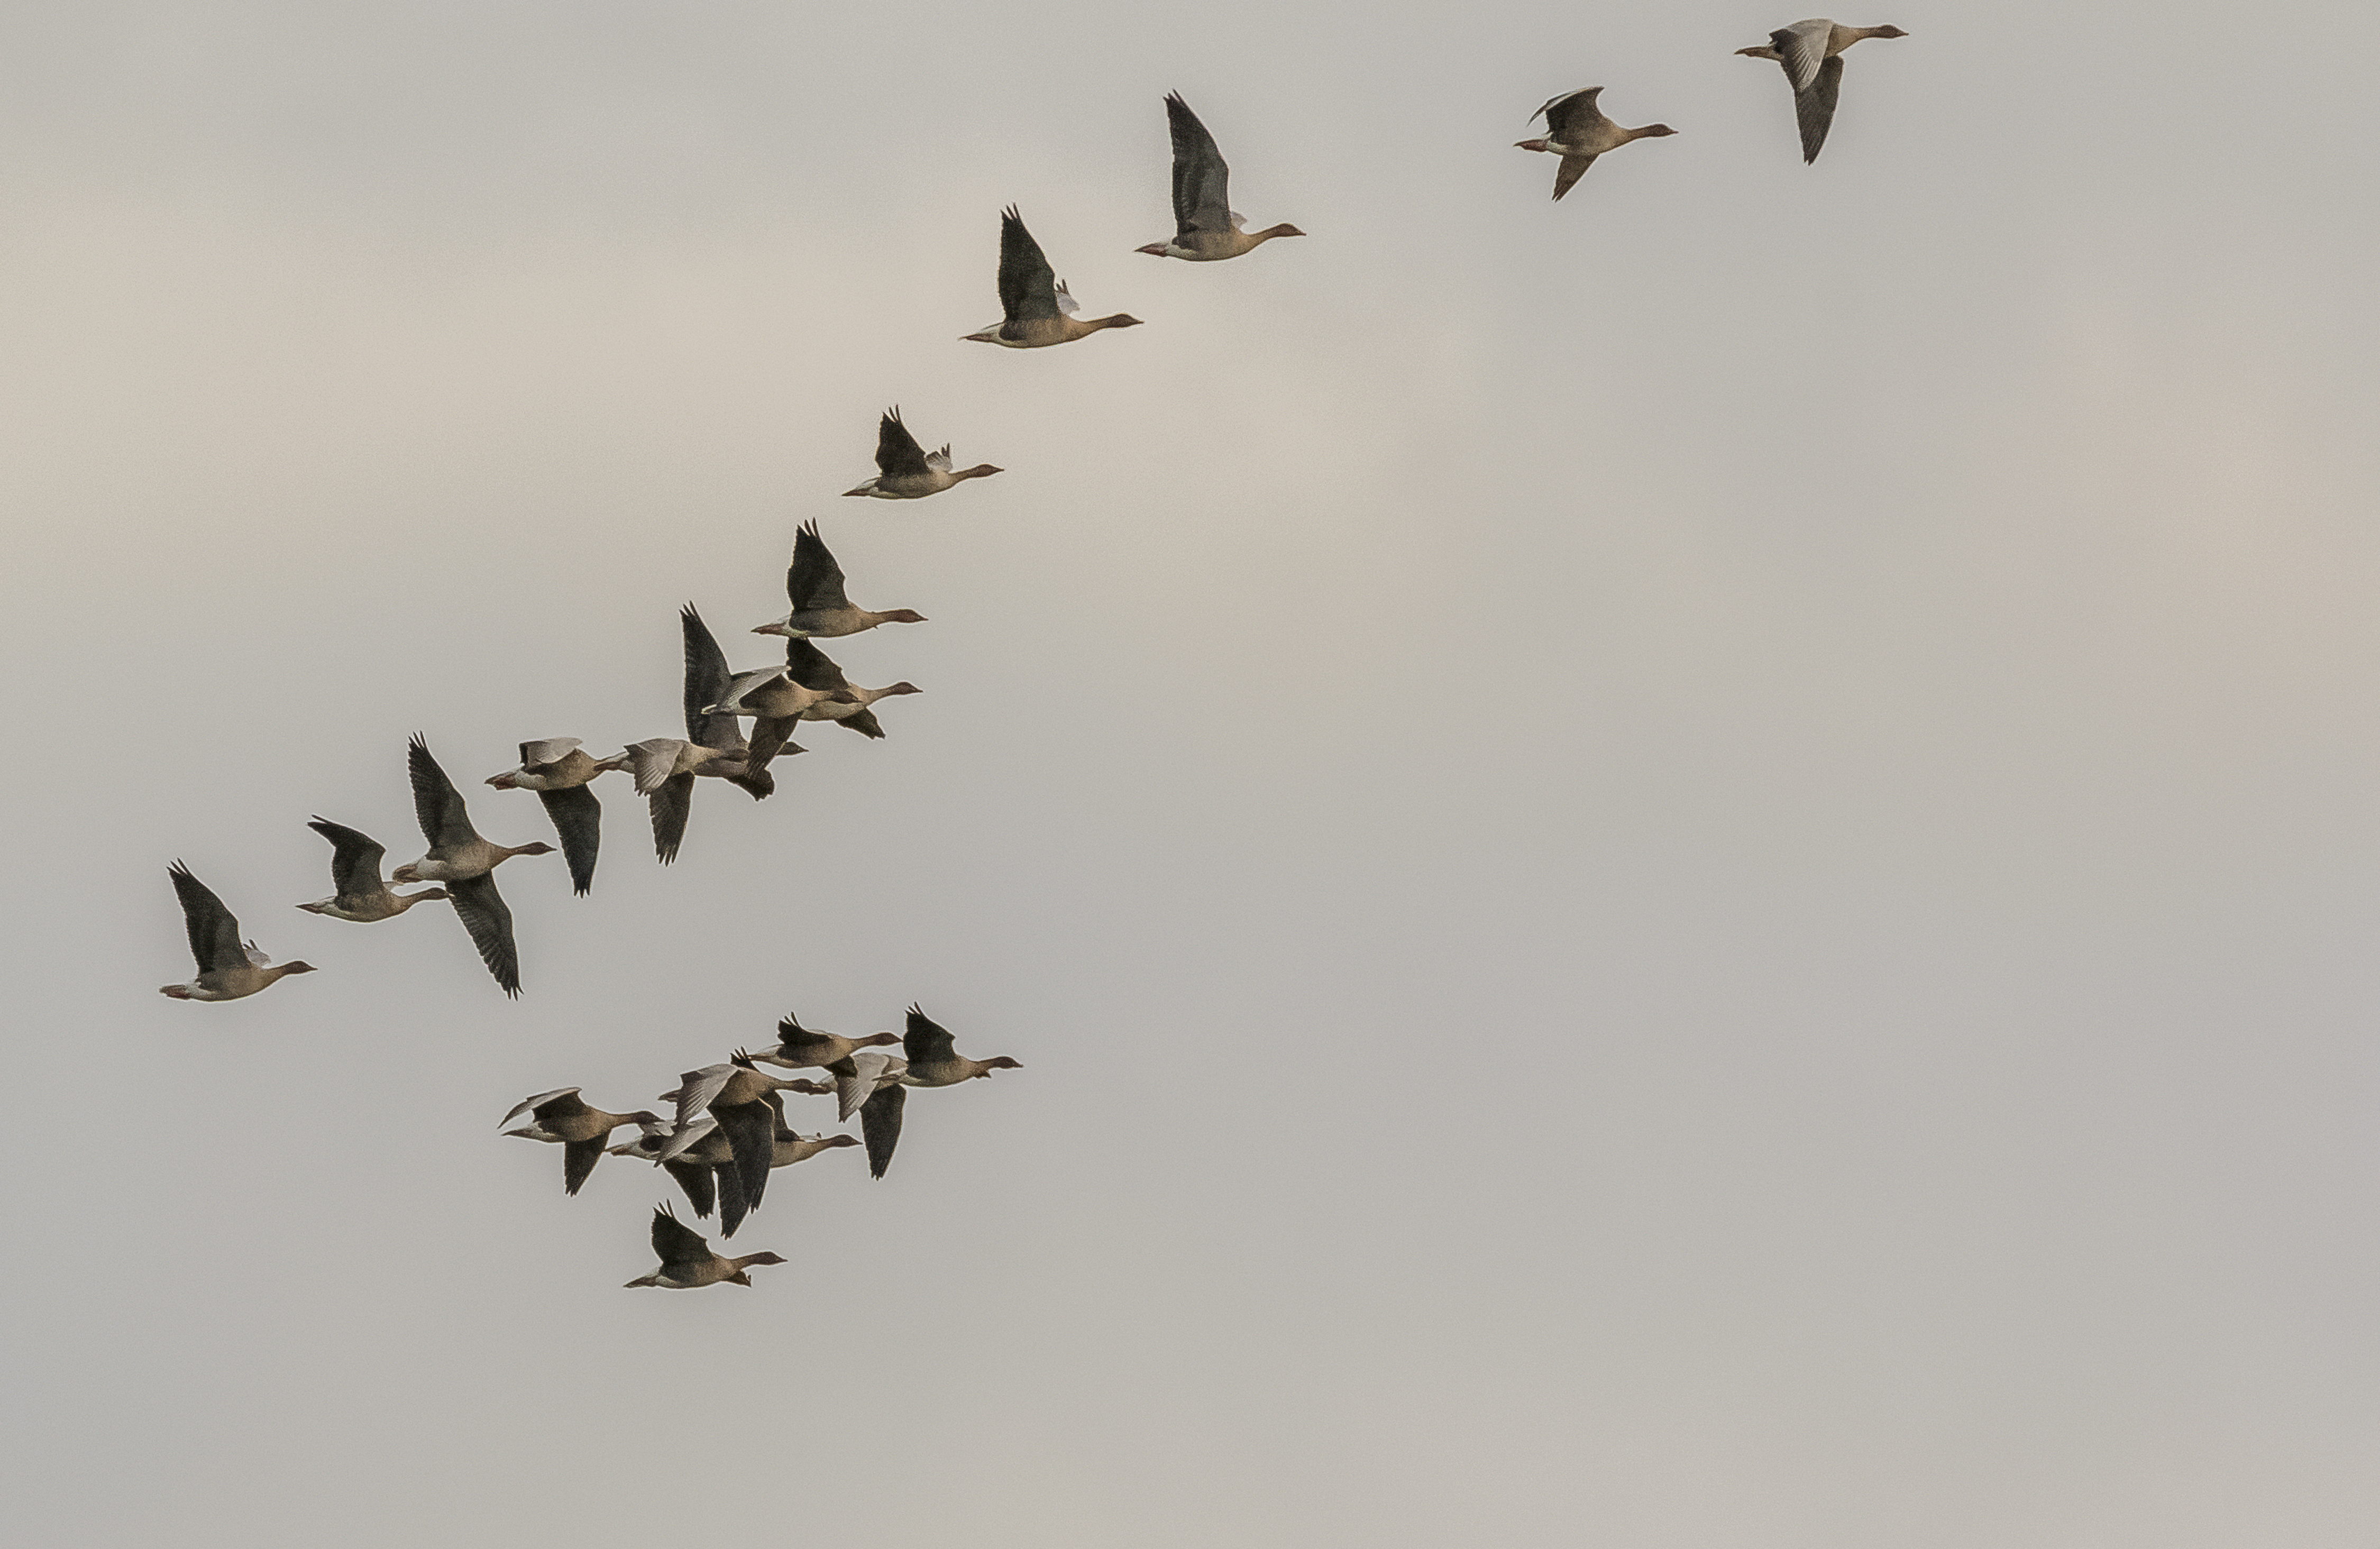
[727,1129]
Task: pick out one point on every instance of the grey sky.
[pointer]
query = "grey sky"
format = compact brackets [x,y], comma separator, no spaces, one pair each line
[1692,868]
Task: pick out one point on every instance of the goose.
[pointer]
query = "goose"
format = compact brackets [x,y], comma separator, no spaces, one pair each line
[227,969]
[812,668]
[870,1084]
[934,1059]
[465,863]
[814,586]
[559,772]
[800,1048]
[665,769]
[1035,309]
[735,1094]
[687,1261]
[1205,228]
[704,1169]
[582,1132]
[792,1148]
[355,872]
[1811,55]
[906,471]
[776,702]
[1577,131]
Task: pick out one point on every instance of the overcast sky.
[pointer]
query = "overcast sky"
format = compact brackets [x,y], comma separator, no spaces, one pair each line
[1692,868]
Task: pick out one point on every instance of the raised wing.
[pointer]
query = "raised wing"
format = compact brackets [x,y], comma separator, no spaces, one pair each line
[355,857]
[1029,286]
[675,1243]
[578,820]
[1201,201]
[481,910]
[437,805]
[926,1041]
[545,1106]
[814,580]
[547,752]
[813,669]
[1801,49]
[1570,111]
[898,451]
[706,684]
[215,933]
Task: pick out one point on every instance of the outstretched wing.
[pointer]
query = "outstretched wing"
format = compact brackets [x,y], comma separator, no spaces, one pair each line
[813,669]
[675,1243]
[1566,175]
[355,857]
[578,1160]
[579,819]
[672,804]
[1801,49]
[706,683]
[1201,202]
[215,933]
[1570,111]
[898,451]
[1814,110]
[481,910]
[752,1132]
[1029,286]
[814,580]
[695,1179]
[879,1126]
[436,804]
[926,1041]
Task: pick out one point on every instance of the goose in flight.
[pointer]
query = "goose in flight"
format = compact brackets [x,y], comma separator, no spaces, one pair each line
[559,772]
[736,1096]
[666,767]
[582,1132]
[906,471]
[870,1084]
[229,968]
[1035,309]
[465,863]
[687,1261]
[704,1168]
[934,1059]
[1577,131]
[1811,55]
[355,872]
[800,1048]
[1205,228]
[814,586]
[812,668]
[776,703]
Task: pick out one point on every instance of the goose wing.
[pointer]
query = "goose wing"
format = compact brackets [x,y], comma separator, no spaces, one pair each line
[695,1090]
[799,1042]
[863,721]
[1813,110]
[898,451]
[707,680]
[550,750]
[578,820]
[355,858]
[674,1242]
[1029,286]
[813,669]
[693,1178]
[752,1132]
[1570,111]
[1801,49]
[481,910]
[215,933]
[733,1206]
[1566,175]
[814,580]
[578,1160]
[436,804]
[561,1103]
[855,1076]
[769,739]
[1201,179]
[926,1041]
[879,1126]
[672,804]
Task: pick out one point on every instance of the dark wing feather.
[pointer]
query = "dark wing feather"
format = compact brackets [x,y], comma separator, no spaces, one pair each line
[706,684]
[752,1135]
[695,1179]
[436,804]
[215,933]
[578,1160]
[768,734]
[1029,286]
[579,819]
[481,910]
[814,580]
[732,1206]
[863,721]
[926,1041]
[355,857]
[675,1243]
[1814,110]
[879,1126]
[672,804]
[1201,179]
[898,451]
[812,668]
[1566,175]
[1567,113]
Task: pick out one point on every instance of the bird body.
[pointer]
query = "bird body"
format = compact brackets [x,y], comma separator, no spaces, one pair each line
[1205,228]
[821,610]
[465,863]
[1810,53]
[559,771]
[800,1048]
[362,897]
[906,471]
[1577,131]
[687,1262]
[582,1132]
[229,969]
[1036,310]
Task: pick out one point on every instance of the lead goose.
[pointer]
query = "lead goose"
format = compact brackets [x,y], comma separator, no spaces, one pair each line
[1577,131]
[1811,55]
[665,769]
[581,1132]
[1036,308]
[906,471]
[801,1048]
[559,772]
[687,1261]
[465,863]
[228,969]
[1205,228]
[820,609]
[362,897]
[812,668]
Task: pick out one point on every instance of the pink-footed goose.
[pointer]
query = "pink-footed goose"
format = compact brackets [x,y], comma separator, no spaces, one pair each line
[465,863]
[1035,309]
[581,1132]
[906,471]
[821,610]
[665,769]
[736,1094]
[704,1169]
[557,770]
[687,1261]
[362,897]
[1205,228]
[812,668]
[1811,55]
[776,702]
[229,968]
[1577,131]
[876,1087]
[804,1048]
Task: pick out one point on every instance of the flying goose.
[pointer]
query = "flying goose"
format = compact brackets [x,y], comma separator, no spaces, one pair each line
[355,872]
[1811,55]
[814,586]
[704,1169]
[465,863]
[776,702]
[735,1094]
[934,1059]
[1577,131]
[582,1132]
[1205,227]
[666,767]
[1035,309]
[559,772]
[812,668]
[227,969]
[687,1261]
[800,1048]
[906,471]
